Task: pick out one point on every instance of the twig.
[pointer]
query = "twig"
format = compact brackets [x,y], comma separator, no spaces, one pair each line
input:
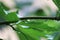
[25,18]
[41,17]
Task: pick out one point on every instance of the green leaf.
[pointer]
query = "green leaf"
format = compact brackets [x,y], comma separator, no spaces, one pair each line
[9,17]
[31,32]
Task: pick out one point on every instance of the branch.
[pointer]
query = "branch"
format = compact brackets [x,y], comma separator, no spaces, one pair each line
[41,17]
[25,18]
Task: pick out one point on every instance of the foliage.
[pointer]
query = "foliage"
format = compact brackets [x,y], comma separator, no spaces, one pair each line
[31,29]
